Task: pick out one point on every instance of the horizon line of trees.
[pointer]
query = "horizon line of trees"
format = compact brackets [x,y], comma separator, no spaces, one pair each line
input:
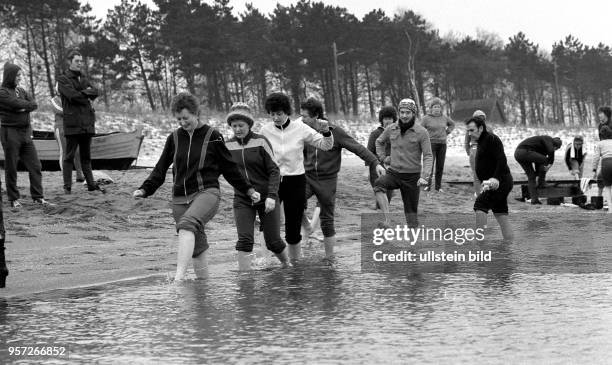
[140,56]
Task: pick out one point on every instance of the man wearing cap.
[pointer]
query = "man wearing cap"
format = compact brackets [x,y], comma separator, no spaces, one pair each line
[56,103]
[538,151]
[574,157]
[409,144]
[16,136]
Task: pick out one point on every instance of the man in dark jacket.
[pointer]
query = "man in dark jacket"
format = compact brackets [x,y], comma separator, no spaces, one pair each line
[538,151]
[16,133]
[494,174]
[79,120]
[322,169]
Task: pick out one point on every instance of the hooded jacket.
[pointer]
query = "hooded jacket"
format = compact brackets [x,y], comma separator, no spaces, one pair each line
[326,164]
[77,94]
[15,103]
[255,159]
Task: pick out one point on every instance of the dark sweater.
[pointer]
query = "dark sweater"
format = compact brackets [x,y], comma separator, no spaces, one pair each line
[326,164]
[188,176]
[540,144]
[15,103]
[255,159]
[490,158]
[372,142]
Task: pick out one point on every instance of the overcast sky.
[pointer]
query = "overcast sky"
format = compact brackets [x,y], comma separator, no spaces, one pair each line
[543,21]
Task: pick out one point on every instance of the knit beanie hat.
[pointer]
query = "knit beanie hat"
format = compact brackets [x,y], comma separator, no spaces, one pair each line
[435,101]
[578,138]
[407,104]
[479,113]
[240,111]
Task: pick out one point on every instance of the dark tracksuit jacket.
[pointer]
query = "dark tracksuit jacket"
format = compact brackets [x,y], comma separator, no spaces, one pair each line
[255,159]
[192,172]
[491,162]
[16,134]
[540,144]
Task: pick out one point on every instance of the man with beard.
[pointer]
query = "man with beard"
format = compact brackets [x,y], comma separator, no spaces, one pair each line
[409,143]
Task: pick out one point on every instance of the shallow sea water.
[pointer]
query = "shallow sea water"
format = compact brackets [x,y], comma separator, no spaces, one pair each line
[321,313]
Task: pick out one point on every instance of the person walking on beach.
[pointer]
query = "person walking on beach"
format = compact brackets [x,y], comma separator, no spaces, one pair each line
[386,116]
[198,154]
[322,168]
[288,138]
[254,156]
[79,120]
[56,103]
[438,126]
[410,144]
[494,174]
[574,157]
[471,146]
[16,136]
[538,151]
[603,153]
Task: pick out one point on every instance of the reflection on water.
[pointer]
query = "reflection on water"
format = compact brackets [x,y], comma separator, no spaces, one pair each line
[316,313]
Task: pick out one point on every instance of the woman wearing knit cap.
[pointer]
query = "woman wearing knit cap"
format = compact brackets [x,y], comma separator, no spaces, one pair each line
[438,126]
[198,155]
[603,153]
[287,138]
[471,146]
[538,151]
[386,116]
[409,144]
[254,156]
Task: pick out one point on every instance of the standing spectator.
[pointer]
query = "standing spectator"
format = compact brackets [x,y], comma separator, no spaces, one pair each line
[322,168]
[603,153]
[56,102]
[386,116]
[3,269]
[438,126]
[536,155]
[79,120]
[493,172]
[255,159]
[198,155]
[604,114]
[288,138]
[574,157]
[471,147]
[409,145]
[16,136]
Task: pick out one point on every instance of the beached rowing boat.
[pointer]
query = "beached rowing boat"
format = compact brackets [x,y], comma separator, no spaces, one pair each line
[109,151]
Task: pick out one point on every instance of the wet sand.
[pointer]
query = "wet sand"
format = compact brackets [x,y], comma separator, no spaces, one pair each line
[89,238]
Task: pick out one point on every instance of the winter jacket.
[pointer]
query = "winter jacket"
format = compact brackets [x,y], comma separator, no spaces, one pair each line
[288,143]
[15,103]
[326,164]
[407,149]
[254,156]
[540,144]
[197,161]
[490,158]
[438,127]
[77,94]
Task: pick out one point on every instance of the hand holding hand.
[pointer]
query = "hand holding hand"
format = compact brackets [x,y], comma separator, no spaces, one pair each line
[380,170]
[270,205]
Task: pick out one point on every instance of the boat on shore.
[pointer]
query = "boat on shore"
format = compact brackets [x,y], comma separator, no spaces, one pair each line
[109,151]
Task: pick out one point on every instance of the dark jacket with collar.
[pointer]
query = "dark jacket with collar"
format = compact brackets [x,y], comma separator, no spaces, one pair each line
[491,158]
[77,94]
[254,156]
[197,164]
[540,144]
[15,103]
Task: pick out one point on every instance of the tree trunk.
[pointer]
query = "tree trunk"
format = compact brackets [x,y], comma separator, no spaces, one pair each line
[43,35]
[144,78]
[104,91]
[354,91]
[29,54]
[369,87]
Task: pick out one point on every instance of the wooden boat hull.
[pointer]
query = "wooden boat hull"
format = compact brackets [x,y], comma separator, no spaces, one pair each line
[112,151]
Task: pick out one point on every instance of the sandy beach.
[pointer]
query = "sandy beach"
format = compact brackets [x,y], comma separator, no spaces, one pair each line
[89,238]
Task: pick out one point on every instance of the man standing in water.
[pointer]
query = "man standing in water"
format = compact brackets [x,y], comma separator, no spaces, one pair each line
[409,144]
[493,172]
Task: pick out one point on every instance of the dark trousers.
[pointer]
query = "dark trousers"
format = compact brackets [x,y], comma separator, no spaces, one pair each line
[244,215]
[325,191]
[407,183]
[292,193]
[18,145]
[83,143]
[61,142]
[527,159]
[439,156]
